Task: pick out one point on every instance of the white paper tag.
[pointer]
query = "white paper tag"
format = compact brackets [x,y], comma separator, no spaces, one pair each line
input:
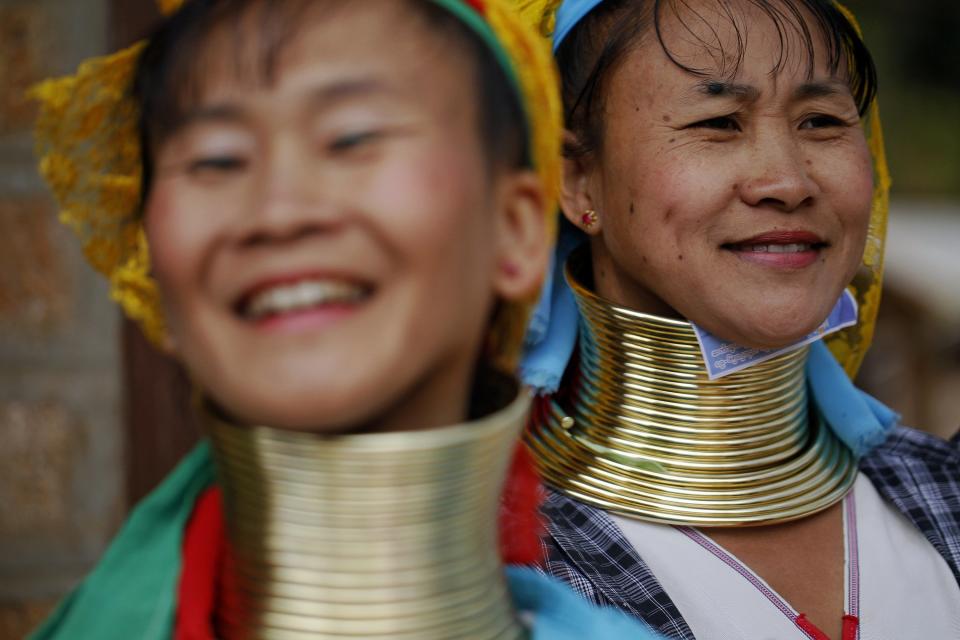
[724,358]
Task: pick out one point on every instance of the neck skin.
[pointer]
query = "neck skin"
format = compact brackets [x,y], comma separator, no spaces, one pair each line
[375,535]
[437,399]
[610,283]
[441,398]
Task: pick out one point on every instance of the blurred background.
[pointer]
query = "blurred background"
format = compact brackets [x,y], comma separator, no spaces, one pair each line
[91,417]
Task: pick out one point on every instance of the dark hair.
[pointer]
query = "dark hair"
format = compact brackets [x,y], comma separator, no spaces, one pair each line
[167,79]
[593,49]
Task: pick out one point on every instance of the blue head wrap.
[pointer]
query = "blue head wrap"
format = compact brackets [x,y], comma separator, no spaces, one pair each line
[569,14]
[859,420]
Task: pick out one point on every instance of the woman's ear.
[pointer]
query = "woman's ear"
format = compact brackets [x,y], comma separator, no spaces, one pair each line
[523,247]
[576,199]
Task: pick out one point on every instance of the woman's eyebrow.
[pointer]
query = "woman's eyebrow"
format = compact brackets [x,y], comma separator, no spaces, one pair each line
[216,113]
[714,88]
[820,89]
[334,93]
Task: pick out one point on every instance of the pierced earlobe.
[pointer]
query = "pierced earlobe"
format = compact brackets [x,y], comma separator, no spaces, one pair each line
[589,219]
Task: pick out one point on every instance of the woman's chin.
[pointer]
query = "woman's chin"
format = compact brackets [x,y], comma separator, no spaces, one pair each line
[329,415]
[763,335]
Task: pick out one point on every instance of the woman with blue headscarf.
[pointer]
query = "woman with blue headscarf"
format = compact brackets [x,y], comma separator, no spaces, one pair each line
[714,470]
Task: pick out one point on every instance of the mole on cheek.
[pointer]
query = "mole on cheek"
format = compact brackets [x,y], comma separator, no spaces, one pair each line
[680,257]
[632,208]
[666,118]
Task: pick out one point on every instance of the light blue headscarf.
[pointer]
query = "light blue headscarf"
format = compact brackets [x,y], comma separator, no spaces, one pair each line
[859,420]
[569,15]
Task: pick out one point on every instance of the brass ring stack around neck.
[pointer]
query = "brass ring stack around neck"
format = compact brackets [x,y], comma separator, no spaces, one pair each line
[642,431]
[366,536]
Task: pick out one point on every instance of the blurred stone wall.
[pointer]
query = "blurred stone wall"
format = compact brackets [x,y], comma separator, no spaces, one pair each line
[60,440]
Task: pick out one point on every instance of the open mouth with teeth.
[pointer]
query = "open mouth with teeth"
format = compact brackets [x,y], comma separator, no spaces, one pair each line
[780,249]
[796,247]
[302,297]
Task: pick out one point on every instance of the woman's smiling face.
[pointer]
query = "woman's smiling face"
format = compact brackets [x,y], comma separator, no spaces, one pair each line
[330,243]
[738,197]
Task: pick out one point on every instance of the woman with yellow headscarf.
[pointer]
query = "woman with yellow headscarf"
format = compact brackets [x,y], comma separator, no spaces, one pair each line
[714,471]
[335,215]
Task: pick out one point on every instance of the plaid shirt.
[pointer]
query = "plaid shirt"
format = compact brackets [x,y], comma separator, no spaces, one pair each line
[917,473]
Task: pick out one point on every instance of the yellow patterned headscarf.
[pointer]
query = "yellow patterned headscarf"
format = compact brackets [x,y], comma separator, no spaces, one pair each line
[850,345]
[88,142]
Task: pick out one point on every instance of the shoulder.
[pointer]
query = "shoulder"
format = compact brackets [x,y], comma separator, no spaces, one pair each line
[920,475]
[911,448]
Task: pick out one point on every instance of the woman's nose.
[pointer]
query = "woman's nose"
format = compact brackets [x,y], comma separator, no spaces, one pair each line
[290,197]
[779,177]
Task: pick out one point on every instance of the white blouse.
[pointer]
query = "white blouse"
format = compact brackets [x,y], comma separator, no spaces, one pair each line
[898,586]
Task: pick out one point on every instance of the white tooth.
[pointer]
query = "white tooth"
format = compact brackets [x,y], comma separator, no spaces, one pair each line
[780,248]
[302,295]
[286,298]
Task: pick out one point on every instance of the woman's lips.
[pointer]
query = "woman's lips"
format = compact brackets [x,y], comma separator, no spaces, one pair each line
[312,319]
[780,249]
[303,303]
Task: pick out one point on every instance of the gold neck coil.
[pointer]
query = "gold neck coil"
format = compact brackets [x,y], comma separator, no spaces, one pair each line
[642,431]
[366,536]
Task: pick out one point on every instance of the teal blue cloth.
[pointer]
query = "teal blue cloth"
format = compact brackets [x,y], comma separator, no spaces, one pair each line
[560,614]
[860,421]
[555,321]
[132,593]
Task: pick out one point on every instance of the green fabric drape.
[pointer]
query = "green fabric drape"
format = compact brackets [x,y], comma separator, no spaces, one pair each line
[132,592]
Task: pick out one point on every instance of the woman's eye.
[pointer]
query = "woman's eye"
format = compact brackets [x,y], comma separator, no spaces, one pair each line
[722,123]
[353,140]
[217,164]
[821,121]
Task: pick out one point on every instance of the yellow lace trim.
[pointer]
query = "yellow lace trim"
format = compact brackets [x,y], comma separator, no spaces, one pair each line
[88,144]
[850,346]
